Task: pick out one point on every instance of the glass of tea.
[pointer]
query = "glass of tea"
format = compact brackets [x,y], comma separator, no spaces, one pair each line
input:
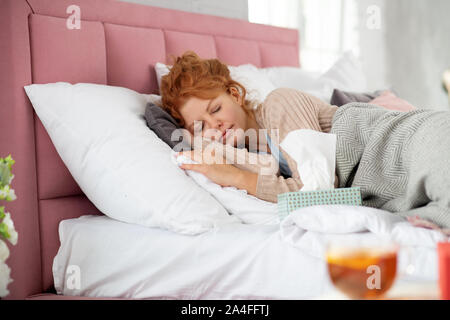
[362,269]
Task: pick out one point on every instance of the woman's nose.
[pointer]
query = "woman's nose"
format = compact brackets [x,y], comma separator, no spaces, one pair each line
[214,129]
[214,123]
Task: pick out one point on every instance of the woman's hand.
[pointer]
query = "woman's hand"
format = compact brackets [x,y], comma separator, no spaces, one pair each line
[226,175]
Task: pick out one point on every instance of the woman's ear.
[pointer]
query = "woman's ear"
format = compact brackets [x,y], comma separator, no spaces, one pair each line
[235,94]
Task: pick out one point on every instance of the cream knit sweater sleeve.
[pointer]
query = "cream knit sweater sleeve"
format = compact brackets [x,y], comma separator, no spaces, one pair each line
[241,158]
[286,110]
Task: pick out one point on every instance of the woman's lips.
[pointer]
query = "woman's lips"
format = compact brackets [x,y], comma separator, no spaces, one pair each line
[226,133]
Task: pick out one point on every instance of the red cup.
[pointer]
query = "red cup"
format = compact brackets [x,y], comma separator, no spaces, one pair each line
[444,269]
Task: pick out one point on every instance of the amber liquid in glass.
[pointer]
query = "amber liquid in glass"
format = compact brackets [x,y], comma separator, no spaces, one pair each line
[350,272]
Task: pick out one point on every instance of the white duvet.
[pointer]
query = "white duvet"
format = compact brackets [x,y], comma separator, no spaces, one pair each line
[260,258]
[247,208]
[237,261]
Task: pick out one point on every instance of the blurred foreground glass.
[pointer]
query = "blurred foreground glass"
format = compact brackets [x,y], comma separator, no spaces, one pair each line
[362,270]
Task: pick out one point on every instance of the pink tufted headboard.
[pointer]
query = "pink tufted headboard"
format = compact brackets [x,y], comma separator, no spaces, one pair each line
[118,44]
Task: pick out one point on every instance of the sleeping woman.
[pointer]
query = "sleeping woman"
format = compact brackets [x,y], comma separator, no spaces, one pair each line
[202,91]
[400,160]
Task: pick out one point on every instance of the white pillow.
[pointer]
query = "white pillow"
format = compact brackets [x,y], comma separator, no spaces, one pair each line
[249,209]
[121,165]
[161,70]
[299,79]
[286,77]
[256,83]
[154,98]
[346,74]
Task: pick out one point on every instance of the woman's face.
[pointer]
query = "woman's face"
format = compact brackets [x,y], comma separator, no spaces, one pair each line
[218,118]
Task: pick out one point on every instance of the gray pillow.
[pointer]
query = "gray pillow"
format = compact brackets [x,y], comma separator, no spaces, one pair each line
[163,124]
[339,98]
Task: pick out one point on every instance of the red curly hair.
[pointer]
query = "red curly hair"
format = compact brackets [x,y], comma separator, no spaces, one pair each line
[191,76]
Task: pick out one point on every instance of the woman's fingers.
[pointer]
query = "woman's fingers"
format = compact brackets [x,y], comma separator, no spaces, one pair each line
[204,156]
[193,167]
[191,154]
[184,153]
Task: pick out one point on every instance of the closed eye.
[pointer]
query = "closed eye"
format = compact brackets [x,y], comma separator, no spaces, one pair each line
[217,109]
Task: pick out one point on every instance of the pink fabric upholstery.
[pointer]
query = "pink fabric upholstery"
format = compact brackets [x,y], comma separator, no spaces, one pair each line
[85,48]
[132,70]
[273,55]
[178,42]
[50,41]
[17,138]
[390,101]
[118,44]
[51,212]
[234,51]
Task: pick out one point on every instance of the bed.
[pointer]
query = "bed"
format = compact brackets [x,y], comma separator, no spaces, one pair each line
[118,44]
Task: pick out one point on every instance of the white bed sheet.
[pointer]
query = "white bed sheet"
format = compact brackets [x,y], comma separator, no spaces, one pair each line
[237,261]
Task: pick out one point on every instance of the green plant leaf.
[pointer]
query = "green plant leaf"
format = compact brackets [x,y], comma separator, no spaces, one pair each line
[4,231]
[5,174]
[5,170]
[8,194]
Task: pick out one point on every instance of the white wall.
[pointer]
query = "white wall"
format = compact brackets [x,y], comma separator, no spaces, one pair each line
[236,9]
[418,49]
[410,51]
[372,44]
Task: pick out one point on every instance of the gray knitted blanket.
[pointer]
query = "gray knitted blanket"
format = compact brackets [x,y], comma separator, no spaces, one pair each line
[400,160]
